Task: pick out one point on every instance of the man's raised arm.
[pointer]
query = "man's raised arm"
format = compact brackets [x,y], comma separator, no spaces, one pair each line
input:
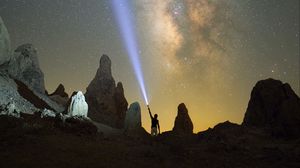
[149,111]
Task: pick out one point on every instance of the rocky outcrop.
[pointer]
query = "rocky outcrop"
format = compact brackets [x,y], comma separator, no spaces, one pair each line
[107,103]
[78,106]
[60,96]
[9,93]
[24,67]
[60,91]
[133,117]
[275,106]
[183,123]
[4,44]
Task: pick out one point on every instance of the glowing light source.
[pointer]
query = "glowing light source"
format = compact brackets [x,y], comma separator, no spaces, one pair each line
[124,19]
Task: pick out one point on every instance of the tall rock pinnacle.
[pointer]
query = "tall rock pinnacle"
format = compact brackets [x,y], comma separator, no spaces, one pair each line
[107,103]
[183,123]
[24,66]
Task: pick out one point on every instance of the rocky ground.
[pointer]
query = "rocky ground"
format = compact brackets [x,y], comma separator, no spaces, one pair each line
[34,142]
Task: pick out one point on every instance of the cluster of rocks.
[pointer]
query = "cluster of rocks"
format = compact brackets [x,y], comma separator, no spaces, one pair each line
[106,100]
[22,86]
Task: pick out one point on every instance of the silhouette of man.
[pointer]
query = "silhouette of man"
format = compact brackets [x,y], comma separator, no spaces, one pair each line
[154,123]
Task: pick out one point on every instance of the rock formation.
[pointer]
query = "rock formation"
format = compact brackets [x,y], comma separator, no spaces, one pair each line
[11,110]
[24,67]
[183,123]
[47,113]
[78,106]
[133,117]
[107,103]
[60,96]
[275,106]
[4,44]
[60,91]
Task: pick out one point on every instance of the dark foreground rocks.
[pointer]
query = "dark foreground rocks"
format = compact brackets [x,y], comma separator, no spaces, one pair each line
[33,142]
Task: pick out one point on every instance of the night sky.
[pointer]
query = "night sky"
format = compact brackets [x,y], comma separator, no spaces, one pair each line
[206,53]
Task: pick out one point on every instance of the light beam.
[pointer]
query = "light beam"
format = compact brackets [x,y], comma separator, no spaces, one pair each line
[124,19]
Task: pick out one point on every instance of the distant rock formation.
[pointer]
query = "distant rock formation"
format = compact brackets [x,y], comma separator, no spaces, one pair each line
[183,123]
[60,91]
[107,103]
[60,96]
[24,66]
[133,117]
[4,44]
[275,106]
[78,106]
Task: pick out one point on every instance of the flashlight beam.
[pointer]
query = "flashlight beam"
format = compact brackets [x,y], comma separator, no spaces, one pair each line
[124,19]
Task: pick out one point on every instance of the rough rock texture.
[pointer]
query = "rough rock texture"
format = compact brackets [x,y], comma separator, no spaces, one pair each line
[24,66]
[183,123]
[133,117]
[4,44]
[60,96]
[9,94]
[29,95]
[274,105]
[10,110]
[107,103]
[47,113]
[78,106]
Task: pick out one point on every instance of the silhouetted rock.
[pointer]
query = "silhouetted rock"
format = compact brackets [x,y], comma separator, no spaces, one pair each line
[275,106]
[223,132]
[60,96]
[133,117]
[183,123]
[78,106]
[4,44]
[24,66]
[60,91]
[107,103]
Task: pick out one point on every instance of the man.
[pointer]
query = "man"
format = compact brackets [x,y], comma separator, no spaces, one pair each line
[154,123]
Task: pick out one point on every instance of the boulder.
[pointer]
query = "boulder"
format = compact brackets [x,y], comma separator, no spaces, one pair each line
[78,106]
[107,103]
[275,106]
[133,117]
[4,44]
[24,66]
[183,123]
[47,113]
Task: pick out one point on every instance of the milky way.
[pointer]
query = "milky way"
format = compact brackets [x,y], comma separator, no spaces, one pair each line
[208,54]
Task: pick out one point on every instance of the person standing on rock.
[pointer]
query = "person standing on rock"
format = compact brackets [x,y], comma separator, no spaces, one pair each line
[154,123]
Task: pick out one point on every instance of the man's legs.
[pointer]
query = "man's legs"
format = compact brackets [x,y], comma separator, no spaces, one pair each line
[153,131]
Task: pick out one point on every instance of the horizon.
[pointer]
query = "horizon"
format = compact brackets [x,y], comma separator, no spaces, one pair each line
[208,55]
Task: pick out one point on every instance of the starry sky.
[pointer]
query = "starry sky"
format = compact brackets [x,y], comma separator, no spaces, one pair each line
[206,53]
